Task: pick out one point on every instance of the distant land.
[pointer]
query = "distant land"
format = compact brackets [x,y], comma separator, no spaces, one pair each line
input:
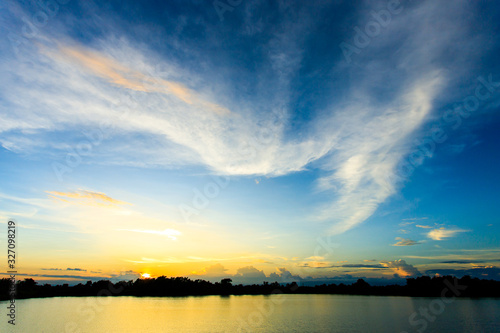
[424,286]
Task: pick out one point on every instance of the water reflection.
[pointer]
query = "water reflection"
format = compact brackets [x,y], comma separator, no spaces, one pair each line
[263,313]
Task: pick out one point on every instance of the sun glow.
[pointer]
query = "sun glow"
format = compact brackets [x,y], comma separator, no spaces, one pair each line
[145,275]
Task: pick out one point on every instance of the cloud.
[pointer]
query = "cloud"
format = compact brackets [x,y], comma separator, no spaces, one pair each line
[462,256]
[123,76]
[76,269]
[405,224]
[485,272]
[401,268]
[472,261]
[405,242]
[124,276]
[250,274]
[317,264]
[362,266]
[416,219]
[439,234]
[246,275]
[357,138]
[170,233]
[216,270]
[365,163]
[87,198]
[328,265]
[284,276]
[315,258]
[59,279]
[423,226]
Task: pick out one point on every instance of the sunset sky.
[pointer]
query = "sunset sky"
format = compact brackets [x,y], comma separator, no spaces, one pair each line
[314,141]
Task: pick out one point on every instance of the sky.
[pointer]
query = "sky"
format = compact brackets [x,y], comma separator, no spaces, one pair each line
[318,141]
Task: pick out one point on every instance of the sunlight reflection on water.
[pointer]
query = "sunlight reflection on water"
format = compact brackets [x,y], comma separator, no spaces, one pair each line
[275,313]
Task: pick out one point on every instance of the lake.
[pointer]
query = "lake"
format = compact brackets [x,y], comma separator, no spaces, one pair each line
[272,313]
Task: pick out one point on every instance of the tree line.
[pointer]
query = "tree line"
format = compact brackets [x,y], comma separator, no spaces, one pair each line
[424,286]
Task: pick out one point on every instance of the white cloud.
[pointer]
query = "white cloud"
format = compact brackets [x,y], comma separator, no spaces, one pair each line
[439,234]
[364,164]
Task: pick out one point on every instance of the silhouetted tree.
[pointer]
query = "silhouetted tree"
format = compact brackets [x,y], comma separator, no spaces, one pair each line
[182,286]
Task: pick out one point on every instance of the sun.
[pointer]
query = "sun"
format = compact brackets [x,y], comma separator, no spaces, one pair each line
[145,275]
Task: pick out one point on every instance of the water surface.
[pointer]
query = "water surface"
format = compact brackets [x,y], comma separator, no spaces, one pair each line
[273,313]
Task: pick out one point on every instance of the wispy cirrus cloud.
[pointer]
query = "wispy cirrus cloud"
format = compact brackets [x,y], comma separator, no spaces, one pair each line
[87,198]
[413,219]
[365,165]
[126,77]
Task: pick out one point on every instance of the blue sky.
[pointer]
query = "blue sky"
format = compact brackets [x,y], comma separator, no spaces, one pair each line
[257,140]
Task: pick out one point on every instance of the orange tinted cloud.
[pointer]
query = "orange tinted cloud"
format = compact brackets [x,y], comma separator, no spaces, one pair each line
[88,198]
[123,76]
[103,67]
[401,268]
[441,233]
